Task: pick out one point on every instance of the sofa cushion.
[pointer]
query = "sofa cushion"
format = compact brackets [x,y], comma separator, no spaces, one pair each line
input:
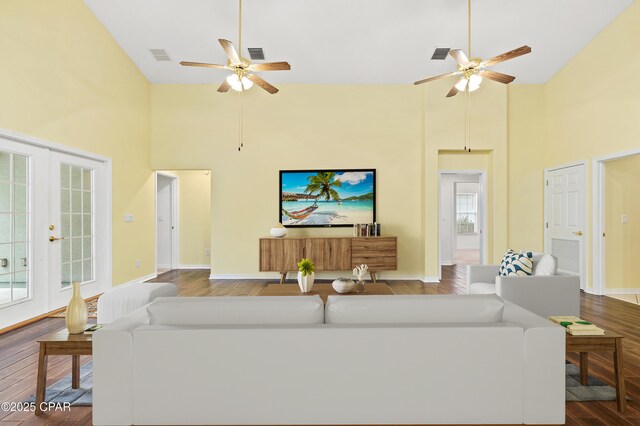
[546,265]
[482,288]
[414,309]
[242,310]
[514,263]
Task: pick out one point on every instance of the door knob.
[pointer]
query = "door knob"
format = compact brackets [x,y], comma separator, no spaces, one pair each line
[52,238]
[579,233]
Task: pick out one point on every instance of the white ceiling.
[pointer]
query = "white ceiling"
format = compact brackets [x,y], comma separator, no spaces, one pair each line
[353,41]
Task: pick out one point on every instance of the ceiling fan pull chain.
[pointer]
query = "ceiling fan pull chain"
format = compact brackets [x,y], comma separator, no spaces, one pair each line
[241,121]
[469,117]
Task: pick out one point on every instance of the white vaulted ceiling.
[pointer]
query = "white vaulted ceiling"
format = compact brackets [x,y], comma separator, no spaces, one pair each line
[353,41]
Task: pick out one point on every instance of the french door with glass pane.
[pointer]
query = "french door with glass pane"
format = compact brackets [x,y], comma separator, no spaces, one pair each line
[54,216]
[73,213]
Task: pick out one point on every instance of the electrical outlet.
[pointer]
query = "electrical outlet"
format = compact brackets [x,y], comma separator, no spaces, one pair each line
[624,219]
[207,252]
[138,263]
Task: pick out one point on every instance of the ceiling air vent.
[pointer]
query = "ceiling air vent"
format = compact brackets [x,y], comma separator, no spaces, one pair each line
[160,54]
[440,53]
[256,53]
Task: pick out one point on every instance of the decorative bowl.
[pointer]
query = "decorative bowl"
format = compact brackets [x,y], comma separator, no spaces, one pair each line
[278,232]
[343,285]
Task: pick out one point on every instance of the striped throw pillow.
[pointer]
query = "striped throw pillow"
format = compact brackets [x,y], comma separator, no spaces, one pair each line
[514,263]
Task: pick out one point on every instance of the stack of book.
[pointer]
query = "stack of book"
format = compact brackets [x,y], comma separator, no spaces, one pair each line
[366,229]
[577,327]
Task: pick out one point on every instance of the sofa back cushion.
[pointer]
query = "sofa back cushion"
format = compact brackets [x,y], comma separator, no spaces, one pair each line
[241,310]
[414,309]
[545,264]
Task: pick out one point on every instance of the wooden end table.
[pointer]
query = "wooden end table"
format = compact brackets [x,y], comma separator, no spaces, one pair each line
[323,290]
[609,342]
[61,343]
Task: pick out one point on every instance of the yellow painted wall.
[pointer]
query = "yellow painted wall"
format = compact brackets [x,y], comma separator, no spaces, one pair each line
[444,131]
[592,105]
[194,189]
[399,130]
[526,153]
[622,243]
[64,79]
[302,127]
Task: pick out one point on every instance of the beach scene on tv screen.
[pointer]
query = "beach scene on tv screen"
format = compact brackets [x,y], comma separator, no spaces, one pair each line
[327,198]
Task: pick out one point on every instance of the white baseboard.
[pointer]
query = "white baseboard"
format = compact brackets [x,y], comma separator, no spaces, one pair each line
[168,266]
[266,276]
[320,276]
[622,290]
[194,267]
[140,279]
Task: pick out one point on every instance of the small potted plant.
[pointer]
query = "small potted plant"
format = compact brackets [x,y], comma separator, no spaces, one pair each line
[306,275]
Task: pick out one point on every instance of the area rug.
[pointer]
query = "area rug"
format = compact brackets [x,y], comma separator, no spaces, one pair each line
[595,391]
[92,310]
[61,391]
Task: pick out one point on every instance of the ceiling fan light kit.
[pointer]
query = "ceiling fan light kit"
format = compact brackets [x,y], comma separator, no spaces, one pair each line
[239,84]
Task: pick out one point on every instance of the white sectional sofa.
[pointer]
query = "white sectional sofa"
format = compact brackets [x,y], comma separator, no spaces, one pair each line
[357,360]
[545,295]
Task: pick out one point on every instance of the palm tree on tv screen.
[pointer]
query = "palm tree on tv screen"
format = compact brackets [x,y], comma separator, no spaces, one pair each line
[323,185]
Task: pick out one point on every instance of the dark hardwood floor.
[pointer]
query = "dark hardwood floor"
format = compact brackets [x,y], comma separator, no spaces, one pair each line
[19,351]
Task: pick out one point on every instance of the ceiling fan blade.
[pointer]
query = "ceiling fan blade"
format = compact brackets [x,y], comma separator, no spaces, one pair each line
[229,50]
[460,57]
[497,76]
[522,50]
[453,91]
[260,82]
[271,66]
[437,77]
[224,87]
[201,64]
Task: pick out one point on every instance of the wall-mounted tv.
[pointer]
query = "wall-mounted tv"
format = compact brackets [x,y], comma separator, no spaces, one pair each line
[324,198]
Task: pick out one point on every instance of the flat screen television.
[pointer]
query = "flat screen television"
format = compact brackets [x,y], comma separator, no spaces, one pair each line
[327,198]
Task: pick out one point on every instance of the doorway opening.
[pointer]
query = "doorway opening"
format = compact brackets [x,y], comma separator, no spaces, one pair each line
[183,220]
[617,219]
[461,218]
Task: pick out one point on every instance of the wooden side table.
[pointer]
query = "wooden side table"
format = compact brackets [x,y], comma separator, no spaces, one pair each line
[61,343]
[609,342]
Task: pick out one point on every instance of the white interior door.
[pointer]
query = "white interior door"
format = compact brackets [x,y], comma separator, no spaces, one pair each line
[77,222]
[565,219]
[166,222]
[22,212]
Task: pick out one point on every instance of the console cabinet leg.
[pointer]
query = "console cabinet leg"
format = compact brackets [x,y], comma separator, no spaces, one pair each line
[283,277]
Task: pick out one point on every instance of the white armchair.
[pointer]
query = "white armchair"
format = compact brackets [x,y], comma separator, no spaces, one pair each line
[544,295]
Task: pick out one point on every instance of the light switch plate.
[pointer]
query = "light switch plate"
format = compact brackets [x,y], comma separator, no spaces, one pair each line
[624,219]
[129,217]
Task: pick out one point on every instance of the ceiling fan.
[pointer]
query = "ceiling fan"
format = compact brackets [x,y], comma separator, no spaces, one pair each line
[243,70]
[473,70]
